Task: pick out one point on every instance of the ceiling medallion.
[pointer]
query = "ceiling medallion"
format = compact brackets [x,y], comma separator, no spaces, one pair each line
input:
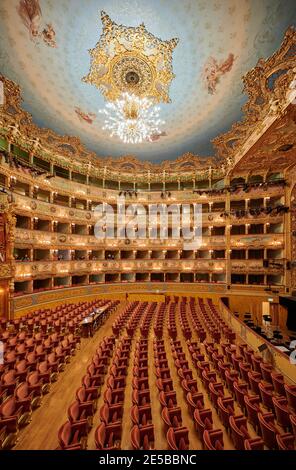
[132,60]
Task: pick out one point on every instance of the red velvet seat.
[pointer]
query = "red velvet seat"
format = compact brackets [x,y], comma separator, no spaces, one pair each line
[282,412]
[266,392]
[68,349]
[32,360]
[253,408]
[97,375]
[203,420]
[293,423]
[46,374]
[225,409]
[223,367]
[185,374]
[87,396]
[24,396]
[140,397]
[10,359]
[195,400]
[244,368]
[189,386]
[207,378]
[141,415]
[36,387]
[240,390]
[54,363]
[216,390]
[172,417]
[14,414]
[268,430]
[40,353]
[168,399]
[266,370]
[178,438]
[254,444]
[22,370]
[113,397]
[9,381]
[116,383]
[61,357]
[142,438]
[256,362]
[73,436]
[285,441]
[143,383]
[239,431]
[291,395]
[21,351]
[231,376]
[278,383]
[254,380]
[236,359]
[81,413]
[213,439]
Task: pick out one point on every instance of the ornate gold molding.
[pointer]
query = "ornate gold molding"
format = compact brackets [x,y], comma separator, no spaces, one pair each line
[130,59]
[266,85]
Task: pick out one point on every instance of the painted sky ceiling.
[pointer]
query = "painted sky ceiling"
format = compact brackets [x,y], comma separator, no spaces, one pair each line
[44,48]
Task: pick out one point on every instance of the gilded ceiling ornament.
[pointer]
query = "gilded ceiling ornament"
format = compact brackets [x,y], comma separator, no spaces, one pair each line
[131,60]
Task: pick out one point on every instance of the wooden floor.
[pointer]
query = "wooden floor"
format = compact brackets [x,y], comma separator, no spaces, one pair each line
[42,432]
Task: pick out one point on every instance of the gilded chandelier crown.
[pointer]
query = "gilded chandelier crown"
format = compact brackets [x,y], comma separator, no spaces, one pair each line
[132,60]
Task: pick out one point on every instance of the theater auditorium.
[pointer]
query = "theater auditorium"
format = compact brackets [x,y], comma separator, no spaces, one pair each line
[147,226]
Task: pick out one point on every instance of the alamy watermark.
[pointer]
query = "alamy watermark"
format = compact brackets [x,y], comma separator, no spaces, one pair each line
[160,221]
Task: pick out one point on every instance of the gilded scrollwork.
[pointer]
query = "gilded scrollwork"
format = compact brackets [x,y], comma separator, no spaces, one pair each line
[266,85]
[130,59]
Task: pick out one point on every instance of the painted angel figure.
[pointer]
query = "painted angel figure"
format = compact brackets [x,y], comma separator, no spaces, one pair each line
[156,136]
[85,117]
[30,14]
[48,34]
[213,71]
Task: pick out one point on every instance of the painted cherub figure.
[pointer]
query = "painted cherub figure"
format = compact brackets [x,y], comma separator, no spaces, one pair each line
[31,16]
[213,71]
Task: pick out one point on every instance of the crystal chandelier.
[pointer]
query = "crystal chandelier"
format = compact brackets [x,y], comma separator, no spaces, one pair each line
[132,119]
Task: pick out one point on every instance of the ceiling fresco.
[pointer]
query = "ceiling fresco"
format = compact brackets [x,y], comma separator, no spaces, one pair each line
[45,49]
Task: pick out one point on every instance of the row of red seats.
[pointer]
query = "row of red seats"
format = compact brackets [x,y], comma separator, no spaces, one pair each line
[59,320]
[194,397]
[122,319]
[146,320]
[159,320]
[185,327]
[55,319]
[171,322]
[134,320]
[108,433]
[176,433]
[73,433]
[142,433]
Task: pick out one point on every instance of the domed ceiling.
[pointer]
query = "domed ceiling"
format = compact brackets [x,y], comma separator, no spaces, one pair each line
[45,44]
